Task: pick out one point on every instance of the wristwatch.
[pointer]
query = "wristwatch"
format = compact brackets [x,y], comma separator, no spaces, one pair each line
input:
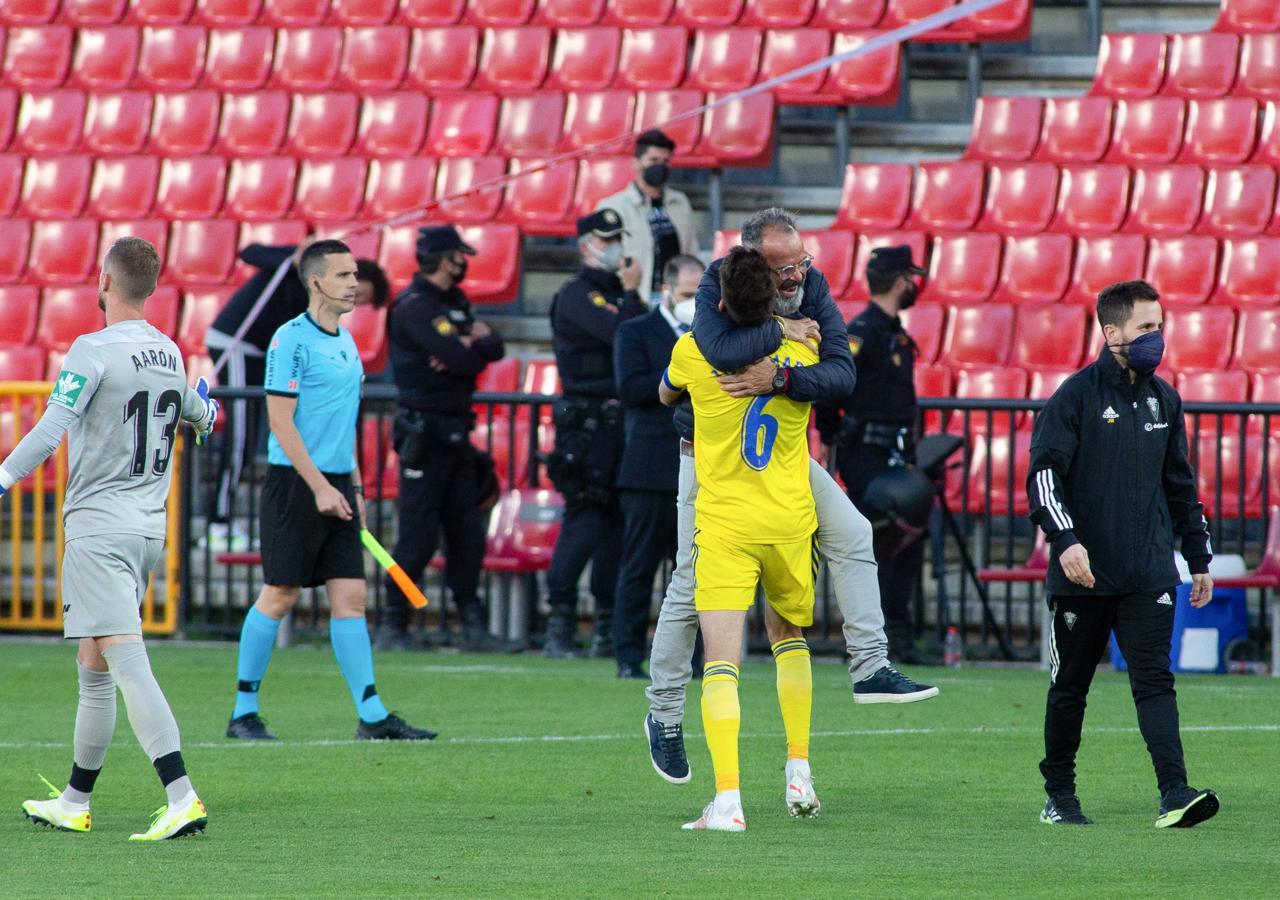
[779,380]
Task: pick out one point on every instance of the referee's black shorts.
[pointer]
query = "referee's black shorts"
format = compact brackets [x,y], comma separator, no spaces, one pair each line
[300,546]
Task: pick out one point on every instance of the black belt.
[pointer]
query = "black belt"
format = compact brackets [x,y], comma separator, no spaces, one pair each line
[890,437]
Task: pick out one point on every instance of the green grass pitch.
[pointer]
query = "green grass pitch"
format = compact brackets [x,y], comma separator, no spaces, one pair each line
[540,786]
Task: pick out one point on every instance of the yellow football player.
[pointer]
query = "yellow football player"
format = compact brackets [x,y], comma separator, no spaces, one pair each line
[755,522]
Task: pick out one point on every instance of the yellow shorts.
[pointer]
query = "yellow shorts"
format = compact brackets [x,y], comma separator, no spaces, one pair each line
[726,573]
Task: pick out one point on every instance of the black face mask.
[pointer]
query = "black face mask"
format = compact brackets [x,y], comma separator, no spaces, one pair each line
[462,272]
[907,298]
[656,175]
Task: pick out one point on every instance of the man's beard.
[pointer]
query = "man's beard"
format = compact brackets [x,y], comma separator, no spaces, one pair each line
[102,301]
[785,306]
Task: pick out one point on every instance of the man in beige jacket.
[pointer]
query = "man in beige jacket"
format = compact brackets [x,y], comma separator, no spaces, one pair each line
[658,220]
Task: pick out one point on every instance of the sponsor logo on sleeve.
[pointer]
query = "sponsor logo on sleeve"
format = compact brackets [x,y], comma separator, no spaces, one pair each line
[66,390]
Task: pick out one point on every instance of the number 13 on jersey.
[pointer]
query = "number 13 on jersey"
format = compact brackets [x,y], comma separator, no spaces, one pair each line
[759,431]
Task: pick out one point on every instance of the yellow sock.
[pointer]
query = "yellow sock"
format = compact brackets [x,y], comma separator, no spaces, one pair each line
[721,716]
[795,693]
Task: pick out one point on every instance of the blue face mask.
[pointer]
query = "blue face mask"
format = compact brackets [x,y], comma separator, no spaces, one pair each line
[1145,352]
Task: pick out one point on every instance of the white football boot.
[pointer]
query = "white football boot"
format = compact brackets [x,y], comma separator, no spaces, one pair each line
[802,801]
[55,813]
[724,813]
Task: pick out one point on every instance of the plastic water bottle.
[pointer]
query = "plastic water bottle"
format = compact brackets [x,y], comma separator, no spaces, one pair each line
[951,648]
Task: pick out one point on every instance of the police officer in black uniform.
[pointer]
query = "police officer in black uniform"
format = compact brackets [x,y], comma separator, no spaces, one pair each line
[585,315]
[874,428]
[438,348]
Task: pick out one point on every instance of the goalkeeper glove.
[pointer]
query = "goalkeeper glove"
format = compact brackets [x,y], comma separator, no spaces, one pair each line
[211,411]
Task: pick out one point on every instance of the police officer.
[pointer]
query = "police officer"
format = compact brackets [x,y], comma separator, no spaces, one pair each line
[438,348]
[875,427]
[585,315]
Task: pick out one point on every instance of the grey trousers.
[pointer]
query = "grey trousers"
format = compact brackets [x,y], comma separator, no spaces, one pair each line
[844,540]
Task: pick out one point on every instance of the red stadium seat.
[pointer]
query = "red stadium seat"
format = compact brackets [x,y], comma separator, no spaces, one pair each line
[172,57]
[991,383]
[926,323]
[1092,199]
[330,190]
[1074,129]
[322,124]
[586,59]
[933,381]
[787,50]
[1005,128]
[1147,130]
[1101,261]
[49,123]
[1201,64]
[306,59]
[1044,384]
[227,12]
[392,125]
[903,12]
[65,314]
[872,78]
[154,231]
[724,59]
[8,115]
[105,58]
[37,58]
[124,187]
[462,125]
[637,13]
[777,13]
[1249,272]
[542,201]
[239,58]
[260,189]
[867,242]
[56,187]
[443,58]
[199,309]
[184,124]
[368,326]
[396,254]
[293,231]
[91,12]
[1007,471]
[599,178]
[568,14]
[1238,201]
[430,13]
[847,15]
[117,123]
[191,188]
[652,58]
[513,60]
[1229,477]
[1259,75]
[1222,131]
[294,14]
[162,310]
[28,12]
[11,166]
[1248,17]
[724,240]
[739,132]
[457,176]
[494,273]
[1198,339]
[16,235]
[1008,21]
[1258,341]
[500,13]
[978,336]
[1213,387]
[374,58]
[596,119]
[875,196]
[833,255]
[1020,198]
[529,126]
[963,268]
[1035,269]
[948,196]
[1268,151]
[201,252]
[1183,269]
[62,252]
[655,107]
[397,186]
[1130,65]
[707,13]
[1166,200]
[362,12]
[253,124]
[19,362]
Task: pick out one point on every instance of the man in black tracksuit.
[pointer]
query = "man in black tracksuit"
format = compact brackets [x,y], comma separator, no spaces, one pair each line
[1110,484]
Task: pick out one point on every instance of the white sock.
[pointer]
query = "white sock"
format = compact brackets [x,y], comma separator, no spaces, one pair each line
[798,767]
[727,799]
[73,799]
[179,791]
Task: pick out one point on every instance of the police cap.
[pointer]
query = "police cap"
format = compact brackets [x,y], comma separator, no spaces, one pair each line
[892,260]
[603,223]
[441,239]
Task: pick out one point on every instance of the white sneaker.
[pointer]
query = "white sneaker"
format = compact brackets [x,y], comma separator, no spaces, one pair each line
[176,820]
[802,801]
[720,815]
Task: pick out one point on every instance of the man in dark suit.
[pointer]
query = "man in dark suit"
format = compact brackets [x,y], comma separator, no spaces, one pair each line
[650,458]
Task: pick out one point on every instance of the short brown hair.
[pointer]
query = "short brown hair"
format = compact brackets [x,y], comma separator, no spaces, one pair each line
[746,284]
[134,267]
[1115,302]
[313,259]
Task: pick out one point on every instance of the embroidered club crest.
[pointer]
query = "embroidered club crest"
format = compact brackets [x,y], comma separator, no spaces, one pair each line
[1070,619]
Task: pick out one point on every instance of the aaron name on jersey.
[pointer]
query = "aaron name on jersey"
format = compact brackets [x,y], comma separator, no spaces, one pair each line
[148,359]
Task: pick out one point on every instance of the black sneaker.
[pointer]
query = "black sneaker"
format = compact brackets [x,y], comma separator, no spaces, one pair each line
[891,686]
[392,728]
[633,671]
[1185,806]
[249,727]
[666,750]
[1064,809]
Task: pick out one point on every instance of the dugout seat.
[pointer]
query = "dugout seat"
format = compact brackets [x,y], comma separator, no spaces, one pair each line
[462,125]
[1258,341]
[568,13]
[65,314]
[926,323]
[185,124]
[49,123]
[330,190]
[529,126]
[1248,17]
[37,59]
[1033,570]
[56,187]
[585,59]
[655,107]
[724,59]
[978,336]
[933,380]
[117,123]
[1182,269]
[123,187]
[1201,64]
[1259,75]
[637,13]
[191,188]
[1005,129]
[1198,339]
[306,59]
[494,273]
[991,383]
[1074,129]
[596,119]
[1034,269]
[738,133]
[873,78]
[789,49]
[1222,131]
[513,60]
[523,531]
[1092,199]
[1049,334]
[1129,65]
[16,235]
[374,58]
[62,252]
[239,59]
[1249,272]
[1020,198]
[260,189]
[498,13]
[947,197]
[392,125]
[1238,201]
[19,308]
[253,124]
[457,177]
[874,197]
[1166,200]
[201,252]
[398,186]
[847,15]
[1147,131]
[427,13]
[199,309]
[867,242]
[172,57]
[541,202]
[963,268]
[652,58]
[442,58]
[105,58]
[1105,260]
[322,124]
[362,12]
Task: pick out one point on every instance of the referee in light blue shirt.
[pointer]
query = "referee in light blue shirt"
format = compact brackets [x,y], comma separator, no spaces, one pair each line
[312,503]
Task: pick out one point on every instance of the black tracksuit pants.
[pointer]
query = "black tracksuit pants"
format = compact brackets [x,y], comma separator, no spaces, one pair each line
[1143,624]
[648,537]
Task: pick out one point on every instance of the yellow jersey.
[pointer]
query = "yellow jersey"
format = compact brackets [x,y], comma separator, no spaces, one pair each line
[751,453]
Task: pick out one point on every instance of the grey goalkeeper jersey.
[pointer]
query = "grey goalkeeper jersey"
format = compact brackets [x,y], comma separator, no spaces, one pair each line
[119,397]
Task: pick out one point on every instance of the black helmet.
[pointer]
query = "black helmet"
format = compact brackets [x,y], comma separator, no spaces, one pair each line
[898,503]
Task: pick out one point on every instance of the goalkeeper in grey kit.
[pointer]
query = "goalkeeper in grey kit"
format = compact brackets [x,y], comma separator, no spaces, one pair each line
[120,397]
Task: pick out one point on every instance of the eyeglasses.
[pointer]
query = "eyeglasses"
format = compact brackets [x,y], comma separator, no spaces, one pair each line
[787,273]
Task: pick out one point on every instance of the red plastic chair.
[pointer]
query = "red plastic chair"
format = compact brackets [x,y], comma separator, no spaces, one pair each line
[595,119]
[8,115]
[184,124]
[1249,272]
[1092,199]
[600,178]
[65,314]
[398,186]
[867,242]
[838,15]
[948,196]
[1005,128]
[903,12]
[926,323]
[1147,131]
[154,231]
[62,252]
[1020,198]
[707,13]
[322,124]
[28,12]
[49,123]
[19,307]
[456,177]
[787,50]
[362,12]
[1074,129]
[652,58]
[724,59]
[295,14]
[494,273]
[306,59]
[239,59]
[523,531]
[541,202]
[1259,75]
[659,107]
[1003,492]
[1044,384]
[1130,65]
[1238,202]
[330,190]
[978,336]
[253,124]
[11,175]
[227,12]
[738,133]
[568,13]
[172,57]
[199,309]
[392,125]
[832,254]
[396,254]
[1183,270]
[117,123]
[1034,269]
[1268,151]
[1049,334]
[191,188]
[1248,17]
[37,59]
[1201,64]
[530,126]
[462,125]
[16,235]
[963,268]
[724,240]
[513,60]
[201,252]
[1197,339]
[933,381]
[1033,570]
[429,13]
[1258,341]
[1102,261]
[1228,474]
[162,310]
[443,58]
[91,12]
[1222,131]
[585,59]
[777,13]
[55,188]
[1213,387]
[500,13]
[123,187]
[1166,200]
[637,13]
[105,58]
[874,197]
[991,383]
[873,78]
[374,58]
[261,189]
[368,326]
[1008,21]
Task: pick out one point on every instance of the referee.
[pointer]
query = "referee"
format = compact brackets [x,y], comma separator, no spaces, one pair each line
[1111,486]
[312,503]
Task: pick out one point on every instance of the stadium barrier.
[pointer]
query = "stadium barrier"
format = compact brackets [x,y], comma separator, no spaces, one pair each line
[33,528]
